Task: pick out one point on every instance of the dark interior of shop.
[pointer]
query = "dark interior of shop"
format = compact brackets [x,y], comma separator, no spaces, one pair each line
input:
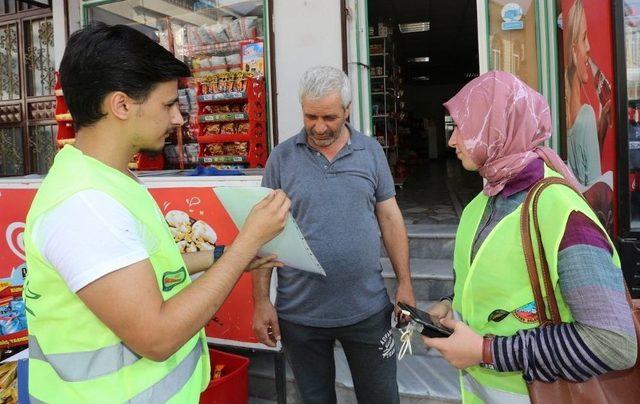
[423,69]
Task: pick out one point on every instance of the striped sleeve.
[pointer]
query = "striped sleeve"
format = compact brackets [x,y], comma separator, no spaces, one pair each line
[602,336]
[547,354]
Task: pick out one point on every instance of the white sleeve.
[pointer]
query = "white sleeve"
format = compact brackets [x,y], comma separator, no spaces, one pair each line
[89,236]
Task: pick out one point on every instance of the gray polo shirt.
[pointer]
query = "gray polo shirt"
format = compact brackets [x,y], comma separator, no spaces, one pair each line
[334,206]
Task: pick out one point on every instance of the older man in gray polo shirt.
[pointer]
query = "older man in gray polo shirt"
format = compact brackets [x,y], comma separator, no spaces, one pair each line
[342,195]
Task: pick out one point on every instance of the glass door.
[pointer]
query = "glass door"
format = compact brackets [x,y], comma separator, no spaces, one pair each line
[631,62]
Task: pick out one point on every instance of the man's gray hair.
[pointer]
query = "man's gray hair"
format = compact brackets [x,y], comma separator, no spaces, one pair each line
[320,81]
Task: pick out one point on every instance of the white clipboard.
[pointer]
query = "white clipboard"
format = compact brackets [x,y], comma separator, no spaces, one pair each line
[289,246]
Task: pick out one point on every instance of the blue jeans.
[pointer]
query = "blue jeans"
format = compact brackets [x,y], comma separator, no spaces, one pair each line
[370,351]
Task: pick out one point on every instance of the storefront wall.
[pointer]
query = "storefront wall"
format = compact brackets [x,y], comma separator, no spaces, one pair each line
[304,33]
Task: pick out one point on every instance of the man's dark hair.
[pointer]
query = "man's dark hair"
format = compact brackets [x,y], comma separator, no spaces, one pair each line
[100,59]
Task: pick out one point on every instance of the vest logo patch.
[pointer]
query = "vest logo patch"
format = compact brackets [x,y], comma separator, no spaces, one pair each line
[171,279]
[526,314]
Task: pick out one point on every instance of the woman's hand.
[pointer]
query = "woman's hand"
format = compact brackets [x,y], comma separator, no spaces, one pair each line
[440,311]
[462,349]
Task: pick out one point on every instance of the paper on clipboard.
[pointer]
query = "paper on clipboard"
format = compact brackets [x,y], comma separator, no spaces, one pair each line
[289,246]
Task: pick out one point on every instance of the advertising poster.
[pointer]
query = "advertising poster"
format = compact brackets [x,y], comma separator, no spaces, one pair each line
[207,217]
[590,133]
[207,225]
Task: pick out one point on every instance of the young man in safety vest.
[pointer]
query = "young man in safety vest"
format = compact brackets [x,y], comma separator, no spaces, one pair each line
[105,322]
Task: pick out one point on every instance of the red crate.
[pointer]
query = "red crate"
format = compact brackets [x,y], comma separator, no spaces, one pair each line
[233,386]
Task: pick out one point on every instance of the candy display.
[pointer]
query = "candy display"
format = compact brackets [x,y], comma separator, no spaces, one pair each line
[226,149]
[9,382]
[226,82]
[230,122]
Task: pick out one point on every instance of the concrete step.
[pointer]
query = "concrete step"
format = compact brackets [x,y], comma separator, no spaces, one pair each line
[431,278]
[421,379]
[256,400]
[430,240]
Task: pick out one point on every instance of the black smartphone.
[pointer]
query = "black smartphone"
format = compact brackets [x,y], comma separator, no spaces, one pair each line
[429,329]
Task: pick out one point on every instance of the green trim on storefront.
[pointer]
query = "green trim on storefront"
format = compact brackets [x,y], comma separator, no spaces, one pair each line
[267,72]
[369,113]
[538,46]
[89,4]
[488,18]
[555,76]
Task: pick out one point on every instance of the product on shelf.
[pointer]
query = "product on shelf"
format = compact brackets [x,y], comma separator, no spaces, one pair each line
[231,123]
[243,128]
[253,58]
[212,129]
[213,149]
[9,382]
[66,133]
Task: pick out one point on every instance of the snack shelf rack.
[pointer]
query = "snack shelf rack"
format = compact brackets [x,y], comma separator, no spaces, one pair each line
[244,141]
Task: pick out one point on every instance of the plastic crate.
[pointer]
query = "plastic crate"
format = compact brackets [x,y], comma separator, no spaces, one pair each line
[233,386]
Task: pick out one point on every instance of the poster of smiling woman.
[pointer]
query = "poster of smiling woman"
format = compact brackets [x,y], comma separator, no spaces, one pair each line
[589,135]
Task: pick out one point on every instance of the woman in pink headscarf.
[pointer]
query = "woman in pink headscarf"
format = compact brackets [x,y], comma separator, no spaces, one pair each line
[501,127]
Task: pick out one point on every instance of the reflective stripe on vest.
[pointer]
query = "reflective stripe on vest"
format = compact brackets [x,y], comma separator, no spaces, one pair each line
[171,384]
[164,388]
[489,395]
[83,366]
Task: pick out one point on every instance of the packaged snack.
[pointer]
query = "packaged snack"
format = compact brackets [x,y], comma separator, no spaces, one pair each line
[233,30]
[214,149]
[243,128]
[217,372]
[212,129]
[229,128]
[9,325]
[235,108]
[241,148]
[18,310]
[219,33]
[249,27]
[229,149]
[222,85]
[218,60]
[239,84]
[253,58]
[233,59]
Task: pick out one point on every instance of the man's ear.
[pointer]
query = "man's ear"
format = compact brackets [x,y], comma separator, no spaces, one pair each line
[118,104]
[347,111]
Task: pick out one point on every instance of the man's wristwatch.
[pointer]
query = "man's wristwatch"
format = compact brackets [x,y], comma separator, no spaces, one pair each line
[487,352]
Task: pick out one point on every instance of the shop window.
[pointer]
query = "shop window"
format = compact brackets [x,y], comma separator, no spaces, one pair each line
[223,103]
[26,88]
[512,38]
[9,69]
[39,57]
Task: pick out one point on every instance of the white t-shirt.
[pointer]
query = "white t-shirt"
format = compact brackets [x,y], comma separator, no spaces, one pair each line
[90,235]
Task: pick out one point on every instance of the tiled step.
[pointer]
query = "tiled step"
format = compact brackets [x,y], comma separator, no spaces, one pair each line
[431,278]
[430,241]
[421,379]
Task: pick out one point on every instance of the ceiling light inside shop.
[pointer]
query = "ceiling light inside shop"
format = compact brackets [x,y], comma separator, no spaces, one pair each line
[414,27]
[421,78]
[422,59]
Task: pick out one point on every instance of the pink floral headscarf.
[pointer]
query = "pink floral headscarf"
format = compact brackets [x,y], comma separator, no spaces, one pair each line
[503,124]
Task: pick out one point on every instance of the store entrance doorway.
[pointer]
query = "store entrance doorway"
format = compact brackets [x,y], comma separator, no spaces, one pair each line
[422,52]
